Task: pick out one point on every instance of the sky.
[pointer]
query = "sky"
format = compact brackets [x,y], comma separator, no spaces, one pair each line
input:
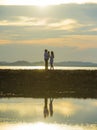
[67,27]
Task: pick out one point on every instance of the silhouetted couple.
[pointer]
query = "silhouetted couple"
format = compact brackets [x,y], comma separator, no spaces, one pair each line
[49,56]
[46,110]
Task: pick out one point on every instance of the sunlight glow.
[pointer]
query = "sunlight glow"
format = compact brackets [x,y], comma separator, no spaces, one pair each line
[43,2]
[44,126]
[30,2]
[36,126]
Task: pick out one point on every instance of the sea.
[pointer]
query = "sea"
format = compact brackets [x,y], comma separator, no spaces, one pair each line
[42,67]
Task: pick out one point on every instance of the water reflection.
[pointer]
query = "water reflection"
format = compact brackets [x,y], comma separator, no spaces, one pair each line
[47,111]
[51,106]
[28,113]
[45,126]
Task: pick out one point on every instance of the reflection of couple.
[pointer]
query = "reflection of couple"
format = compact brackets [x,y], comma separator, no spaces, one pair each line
[47,56]
[51,107]
[46,111]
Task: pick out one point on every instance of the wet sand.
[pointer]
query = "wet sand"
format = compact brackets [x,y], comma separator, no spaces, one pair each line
[51,83]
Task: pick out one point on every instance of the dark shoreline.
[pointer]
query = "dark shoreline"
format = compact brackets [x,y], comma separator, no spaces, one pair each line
[51,83]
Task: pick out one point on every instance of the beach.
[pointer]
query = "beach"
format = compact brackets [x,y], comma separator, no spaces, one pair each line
[50,83]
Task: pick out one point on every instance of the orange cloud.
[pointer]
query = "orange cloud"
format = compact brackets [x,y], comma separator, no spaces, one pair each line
[48,41]
[81,41]
[78,41]
[5,41]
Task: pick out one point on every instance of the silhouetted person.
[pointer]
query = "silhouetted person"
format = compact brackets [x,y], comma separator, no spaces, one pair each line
[52,60]
[51,107]
[46,112]
[46,57]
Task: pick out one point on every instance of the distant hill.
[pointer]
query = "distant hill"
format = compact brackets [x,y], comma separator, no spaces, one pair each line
[40,63]
[76,63]
[21,63]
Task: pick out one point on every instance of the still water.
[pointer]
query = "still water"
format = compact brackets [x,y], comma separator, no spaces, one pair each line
[49,114]
[42,67]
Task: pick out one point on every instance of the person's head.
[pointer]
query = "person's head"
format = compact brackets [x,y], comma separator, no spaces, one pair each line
[52,53]
[45,50]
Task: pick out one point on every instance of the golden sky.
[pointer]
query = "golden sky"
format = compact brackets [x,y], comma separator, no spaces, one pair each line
[70,30]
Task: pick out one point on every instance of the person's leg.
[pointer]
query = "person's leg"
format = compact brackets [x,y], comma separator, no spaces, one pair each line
[51,65]
[46,64]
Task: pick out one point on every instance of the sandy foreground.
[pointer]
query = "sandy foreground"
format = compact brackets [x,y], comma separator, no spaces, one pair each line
[51,83]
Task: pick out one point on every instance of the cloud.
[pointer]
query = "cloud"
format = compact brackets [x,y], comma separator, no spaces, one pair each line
[75,41]
[23,21]
[67,24]
[51,24]
[81,19]
[4,41]
[93,30]
[81,41]
[71,28]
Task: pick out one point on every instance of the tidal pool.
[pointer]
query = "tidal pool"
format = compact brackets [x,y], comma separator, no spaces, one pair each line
[48,113]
